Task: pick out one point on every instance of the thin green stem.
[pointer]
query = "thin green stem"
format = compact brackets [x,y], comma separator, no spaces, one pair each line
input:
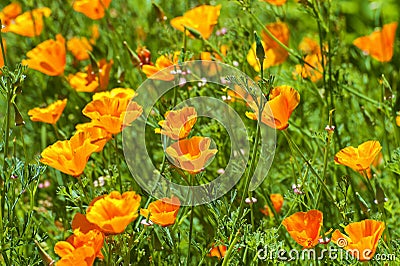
[109,251]
[56,131]
[326,154]
[7,133]
[84,192]
[229,251]
[118,164]
[190,234]
[191,179]
[328,192]
[363,96]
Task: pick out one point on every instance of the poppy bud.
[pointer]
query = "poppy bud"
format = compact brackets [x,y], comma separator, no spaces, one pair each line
[260,53]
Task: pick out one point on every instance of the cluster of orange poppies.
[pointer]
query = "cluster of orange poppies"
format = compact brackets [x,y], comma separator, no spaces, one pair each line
[110,215]
[190,154]
[361,242]
[109,112]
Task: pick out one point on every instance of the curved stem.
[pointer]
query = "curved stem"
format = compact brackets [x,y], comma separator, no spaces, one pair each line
[313,171]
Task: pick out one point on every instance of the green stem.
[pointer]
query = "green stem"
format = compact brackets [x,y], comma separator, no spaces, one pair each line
[118,165]
[56,131]
[190,234]
[7,132]
[84,192]
[363,96]
[191,179]
[249,173]
[326,154]
[109,251]
[328,192]
[248,179]
[229,251]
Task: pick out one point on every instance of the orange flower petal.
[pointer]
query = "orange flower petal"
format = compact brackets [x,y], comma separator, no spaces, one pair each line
[178,123]
[112,213]
[202,18]
[277,202]
[94,9]
[362,239]
[50,114]
[49,57]
[191,154]
[109,110]
[379,44]
[283,100]
[88,81]
[276,2]
[9,13]
[304,227]
[360,158]
[79,47]
[69,156]
[162,212]
[26,26]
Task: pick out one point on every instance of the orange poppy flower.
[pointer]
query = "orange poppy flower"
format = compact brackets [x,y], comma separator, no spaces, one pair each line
[162,62]
[69,156]
[309,46]
[304,227]
[178,123]
[305,71]
[379,44]
[313,57]
[218,251]
[80,248]
[8,13]
[276,2]
[162,212]
[202,19]
[94,9]
[277,202]
[120,93]
[50,114]
[27,26]
[79,47]
[398,120]
[97,135]
[362,239]
[274,53]
[113,110]
[191,154]
[49,57]
[89,81]
[81,223]
[113,212]
[283,101]
[360,158]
